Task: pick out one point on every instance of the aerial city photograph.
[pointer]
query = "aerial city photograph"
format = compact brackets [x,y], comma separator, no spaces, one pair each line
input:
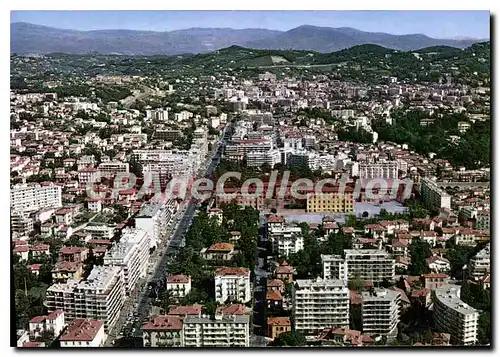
[250,179]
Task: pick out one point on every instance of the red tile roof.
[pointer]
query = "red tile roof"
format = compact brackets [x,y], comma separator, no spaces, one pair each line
[38,319]
[72,250]
[178,279]
[32,344]
[40,248]
[82,330]
[233,309]
[163,322]
[279,321]
[220,247]
[21,249]
[232,271]
[275,282]
[186,310]
[273,295]
[275,219]
[67,266]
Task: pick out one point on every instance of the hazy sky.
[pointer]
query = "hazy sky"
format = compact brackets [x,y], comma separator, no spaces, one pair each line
[440,24]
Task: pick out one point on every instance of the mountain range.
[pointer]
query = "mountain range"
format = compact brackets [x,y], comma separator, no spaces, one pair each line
[29,38]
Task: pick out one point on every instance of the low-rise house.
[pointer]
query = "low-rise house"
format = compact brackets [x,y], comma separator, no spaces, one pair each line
[434,280]
[219,251]
[276,284]
[40,249]
[51,324]
[278,325]
[400,247]
[22,251]
[274,300]
[421,297]
[65,270]
[73,254]
[186,310]
[163,331]
[343,337]
[179,285]
[284,271]
[429,237]
[438,264]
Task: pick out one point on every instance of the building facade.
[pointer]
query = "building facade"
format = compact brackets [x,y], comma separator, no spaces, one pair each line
[319,303]
[33,197]
[454,316]
[380,312]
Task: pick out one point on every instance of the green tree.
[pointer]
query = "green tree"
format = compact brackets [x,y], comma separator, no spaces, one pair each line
[419,251]
[290,339]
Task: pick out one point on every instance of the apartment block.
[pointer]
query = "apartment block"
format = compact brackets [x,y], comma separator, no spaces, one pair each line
[453,316]
[285,239]
[232,284]
[131,253]
[379,169]
[33,197]
[433,197]
[331,202]
[319,303]
[221,331]
[334,267]
[369,264]
[113,167]
[99,297]
[479,265]
[21,224]
[154,219]
[380,312]
[258,158]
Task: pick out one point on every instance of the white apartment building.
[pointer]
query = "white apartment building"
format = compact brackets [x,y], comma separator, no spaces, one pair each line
[334,267]
[479,265]
[319,303]
[157,114]
[112,167]
[285,239]
[380,312]
[233,284]
[21,224]
[166,162]
[379,169]
[257,158]
[99,297]
[84,333]
[454,316]
[434,197]
[222,331]
[154,219]
[238,148]
[369,264]
[33,197]
[303,158]
[131,253]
